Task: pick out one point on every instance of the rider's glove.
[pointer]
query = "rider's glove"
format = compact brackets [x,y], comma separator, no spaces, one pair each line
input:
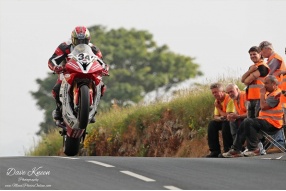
[58,69]
[105,70]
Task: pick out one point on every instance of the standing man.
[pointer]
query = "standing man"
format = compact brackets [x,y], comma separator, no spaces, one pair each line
[269,120]
[277,68]
[274,61]
[223,106]
[240,104]
[253,79]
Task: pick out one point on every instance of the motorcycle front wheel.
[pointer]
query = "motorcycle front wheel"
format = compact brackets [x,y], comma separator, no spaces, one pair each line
[71,147]
[83,107]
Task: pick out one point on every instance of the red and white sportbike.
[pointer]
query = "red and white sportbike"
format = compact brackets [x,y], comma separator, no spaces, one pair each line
[80,94]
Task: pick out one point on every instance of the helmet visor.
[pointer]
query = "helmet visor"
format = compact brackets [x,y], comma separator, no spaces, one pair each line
[80,41]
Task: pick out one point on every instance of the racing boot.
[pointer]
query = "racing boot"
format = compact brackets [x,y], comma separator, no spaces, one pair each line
[103,89]
[93,118]
[57,114]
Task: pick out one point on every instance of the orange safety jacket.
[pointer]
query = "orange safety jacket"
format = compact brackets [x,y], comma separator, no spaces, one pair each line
[283,100]
[225,102]
[283,84]
[282,67]
[274,115]
[241,103]
[253,90]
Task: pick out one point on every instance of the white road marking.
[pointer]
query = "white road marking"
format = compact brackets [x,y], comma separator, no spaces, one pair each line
[172,188]
[273,158]
[100,163]
[65,157]
[144,178]
[279,157]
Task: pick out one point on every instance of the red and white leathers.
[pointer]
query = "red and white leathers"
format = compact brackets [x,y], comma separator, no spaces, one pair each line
[62,51]
[59,58]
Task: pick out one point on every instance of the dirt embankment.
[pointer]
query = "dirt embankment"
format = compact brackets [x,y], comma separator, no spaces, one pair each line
[167,137]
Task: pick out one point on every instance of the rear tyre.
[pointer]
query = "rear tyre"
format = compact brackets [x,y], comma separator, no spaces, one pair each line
[71,146]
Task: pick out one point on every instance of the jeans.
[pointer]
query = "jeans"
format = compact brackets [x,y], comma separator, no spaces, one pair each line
[213,135]
[279,137]
[249,129]
[234,127]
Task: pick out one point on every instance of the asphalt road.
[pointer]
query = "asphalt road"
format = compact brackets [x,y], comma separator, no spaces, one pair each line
[142,173]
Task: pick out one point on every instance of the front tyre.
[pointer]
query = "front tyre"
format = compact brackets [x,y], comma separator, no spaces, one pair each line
[71,147]
[84,103]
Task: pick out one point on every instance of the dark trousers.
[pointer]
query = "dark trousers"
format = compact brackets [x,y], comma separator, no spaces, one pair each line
[234,127]
[56,93]
[213,135]
[253,108]
[249,129]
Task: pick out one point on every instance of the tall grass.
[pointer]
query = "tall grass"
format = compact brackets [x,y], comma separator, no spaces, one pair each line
[49,145]
[173,128]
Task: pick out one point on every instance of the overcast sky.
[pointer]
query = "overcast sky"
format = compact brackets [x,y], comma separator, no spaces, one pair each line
[217,33]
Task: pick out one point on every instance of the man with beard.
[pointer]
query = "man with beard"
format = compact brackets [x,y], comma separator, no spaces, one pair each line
[270,120]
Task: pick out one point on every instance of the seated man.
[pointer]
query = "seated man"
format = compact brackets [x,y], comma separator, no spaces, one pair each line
[240,104]
[223,106]
[269,120]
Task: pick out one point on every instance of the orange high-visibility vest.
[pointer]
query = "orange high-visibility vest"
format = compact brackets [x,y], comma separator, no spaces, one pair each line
[240,104]
[253,91]
[283,82]
[283,98]
[274,115]
[224,104]
[282,67]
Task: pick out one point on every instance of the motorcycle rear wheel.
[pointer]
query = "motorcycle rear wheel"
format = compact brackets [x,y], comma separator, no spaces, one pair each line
[71,146]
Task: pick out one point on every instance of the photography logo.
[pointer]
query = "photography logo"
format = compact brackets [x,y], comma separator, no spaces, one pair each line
[34,177]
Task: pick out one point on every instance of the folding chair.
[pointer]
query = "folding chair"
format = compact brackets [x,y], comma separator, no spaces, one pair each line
[272,139]
[272,142]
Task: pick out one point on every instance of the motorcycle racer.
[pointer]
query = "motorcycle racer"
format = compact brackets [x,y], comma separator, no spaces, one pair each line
[80,35]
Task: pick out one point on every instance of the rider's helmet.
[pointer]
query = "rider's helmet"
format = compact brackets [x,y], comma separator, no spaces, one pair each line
[80,35]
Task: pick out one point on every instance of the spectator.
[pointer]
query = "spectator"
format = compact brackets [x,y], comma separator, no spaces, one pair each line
[253,79]
[277,68]
[240,104]
[223,106]
[269,120]
[275,62]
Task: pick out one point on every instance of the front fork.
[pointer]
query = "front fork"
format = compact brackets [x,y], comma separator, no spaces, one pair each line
[76,96]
